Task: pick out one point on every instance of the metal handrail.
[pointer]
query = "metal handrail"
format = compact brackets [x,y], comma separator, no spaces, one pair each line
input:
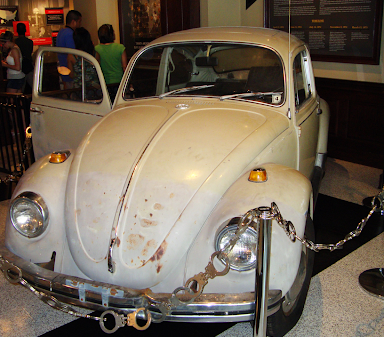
[14,119]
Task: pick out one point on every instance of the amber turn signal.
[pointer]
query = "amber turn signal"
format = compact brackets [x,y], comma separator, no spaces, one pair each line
[258,175]
[58,157]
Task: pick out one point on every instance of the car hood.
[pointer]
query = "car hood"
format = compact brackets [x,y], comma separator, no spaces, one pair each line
[148,175]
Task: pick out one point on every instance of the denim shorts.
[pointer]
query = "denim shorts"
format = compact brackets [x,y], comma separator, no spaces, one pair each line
[15,83]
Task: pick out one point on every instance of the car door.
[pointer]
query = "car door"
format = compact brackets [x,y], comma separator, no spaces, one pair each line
[306,107]
[61,116]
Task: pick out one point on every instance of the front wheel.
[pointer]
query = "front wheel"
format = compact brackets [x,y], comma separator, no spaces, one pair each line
[292,304]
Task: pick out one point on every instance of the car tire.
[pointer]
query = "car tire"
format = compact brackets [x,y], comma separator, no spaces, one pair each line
[292,304]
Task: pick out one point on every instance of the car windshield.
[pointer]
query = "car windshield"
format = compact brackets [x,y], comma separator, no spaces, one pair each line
[221,70]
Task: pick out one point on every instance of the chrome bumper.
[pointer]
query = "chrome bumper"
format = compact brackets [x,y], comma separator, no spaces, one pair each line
[103,296]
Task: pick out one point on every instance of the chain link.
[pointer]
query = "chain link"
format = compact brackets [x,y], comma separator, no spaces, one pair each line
[14,275]
[289,228]
[194,286]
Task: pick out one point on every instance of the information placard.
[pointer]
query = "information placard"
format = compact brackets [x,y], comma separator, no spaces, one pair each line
[54,16]
[346,31]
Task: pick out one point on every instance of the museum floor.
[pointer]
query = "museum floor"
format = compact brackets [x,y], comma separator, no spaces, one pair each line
[336,304]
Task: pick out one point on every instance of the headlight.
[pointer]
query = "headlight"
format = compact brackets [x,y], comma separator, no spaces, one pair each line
[242,257]
[29,214]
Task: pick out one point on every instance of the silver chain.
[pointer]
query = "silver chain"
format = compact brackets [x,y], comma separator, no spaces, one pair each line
[289,228]
[14,275]
[194,286]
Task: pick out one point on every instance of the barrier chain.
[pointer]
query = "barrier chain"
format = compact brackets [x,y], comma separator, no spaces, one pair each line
[194,286]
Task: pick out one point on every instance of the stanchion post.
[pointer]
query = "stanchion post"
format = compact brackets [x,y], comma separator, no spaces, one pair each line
[263,253]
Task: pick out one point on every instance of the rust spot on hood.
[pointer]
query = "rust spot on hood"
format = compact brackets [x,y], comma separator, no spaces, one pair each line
[160,252]
[118,242]
[150,244]
[147,223]
[158,255]
[135,240]
[157,206]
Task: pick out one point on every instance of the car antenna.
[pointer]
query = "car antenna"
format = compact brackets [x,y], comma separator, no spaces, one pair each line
[289,59]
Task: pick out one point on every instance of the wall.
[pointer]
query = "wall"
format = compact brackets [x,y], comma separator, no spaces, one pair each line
[220,13]
[96,13]
[226,13]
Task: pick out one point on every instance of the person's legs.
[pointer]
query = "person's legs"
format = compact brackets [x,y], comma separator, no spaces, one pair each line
[15,85]
[29,78]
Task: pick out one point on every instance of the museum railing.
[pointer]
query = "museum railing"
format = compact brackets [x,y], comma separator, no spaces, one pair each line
[16,154]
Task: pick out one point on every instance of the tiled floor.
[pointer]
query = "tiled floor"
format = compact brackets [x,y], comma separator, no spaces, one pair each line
[336,305]
[349,181]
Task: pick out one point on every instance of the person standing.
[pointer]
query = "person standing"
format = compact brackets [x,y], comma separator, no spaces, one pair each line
[13,63]
[111,56]
[65,39]
[26,48]
[83,42]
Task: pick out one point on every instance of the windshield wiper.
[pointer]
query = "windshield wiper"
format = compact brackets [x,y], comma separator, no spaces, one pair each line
[176,91]
[250,94]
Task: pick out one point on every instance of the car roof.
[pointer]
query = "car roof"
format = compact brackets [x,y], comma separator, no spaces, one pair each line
[275,39]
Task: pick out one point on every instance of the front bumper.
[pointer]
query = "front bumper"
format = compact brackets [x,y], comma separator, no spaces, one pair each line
[100,296]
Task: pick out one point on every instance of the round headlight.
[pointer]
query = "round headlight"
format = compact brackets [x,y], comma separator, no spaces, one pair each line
[242,256]
[29,214]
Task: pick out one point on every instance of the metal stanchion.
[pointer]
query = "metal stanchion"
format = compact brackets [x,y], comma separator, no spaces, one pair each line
[262,271]
[372,280]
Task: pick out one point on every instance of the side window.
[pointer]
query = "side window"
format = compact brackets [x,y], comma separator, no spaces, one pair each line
[302,80]
[77,82]
[158,70]
[144,77]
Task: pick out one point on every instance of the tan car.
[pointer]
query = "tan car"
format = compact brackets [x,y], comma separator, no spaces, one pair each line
[150,206]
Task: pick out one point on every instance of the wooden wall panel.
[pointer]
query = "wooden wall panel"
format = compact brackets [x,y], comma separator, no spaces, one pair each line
[357,120]
[179,15]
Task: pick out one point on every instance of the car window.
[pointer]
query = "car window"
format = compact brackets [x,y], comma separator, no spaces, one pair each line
[83,84]
[227,70]
[302,80]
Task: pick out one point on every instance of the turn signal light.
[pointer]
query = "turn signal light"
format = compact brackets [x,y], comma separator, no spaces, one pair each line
[59,157]
[258,175]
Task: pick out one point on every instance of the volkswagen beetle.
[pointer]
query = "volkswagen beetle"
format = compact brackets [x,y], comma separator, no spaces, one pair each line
[133,198]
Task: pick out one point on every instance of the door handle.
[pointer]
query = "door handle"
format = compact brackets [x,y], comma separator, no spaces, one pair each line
[36,110]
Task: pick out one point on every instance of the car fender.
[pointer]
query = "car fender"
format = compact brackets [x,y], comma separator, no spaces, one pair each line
[292,192]
[323,126]
[49,181]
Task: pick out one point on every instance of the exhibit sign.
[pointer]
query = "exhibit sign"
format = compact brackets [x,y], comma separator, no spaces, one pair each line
[42,41]
[55,16]
[347,31]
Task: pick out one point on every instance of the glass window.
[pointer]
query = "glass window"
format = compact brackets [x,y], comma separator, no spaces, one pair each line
[301,78]
[229,71]
[77,82]
[143,79]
